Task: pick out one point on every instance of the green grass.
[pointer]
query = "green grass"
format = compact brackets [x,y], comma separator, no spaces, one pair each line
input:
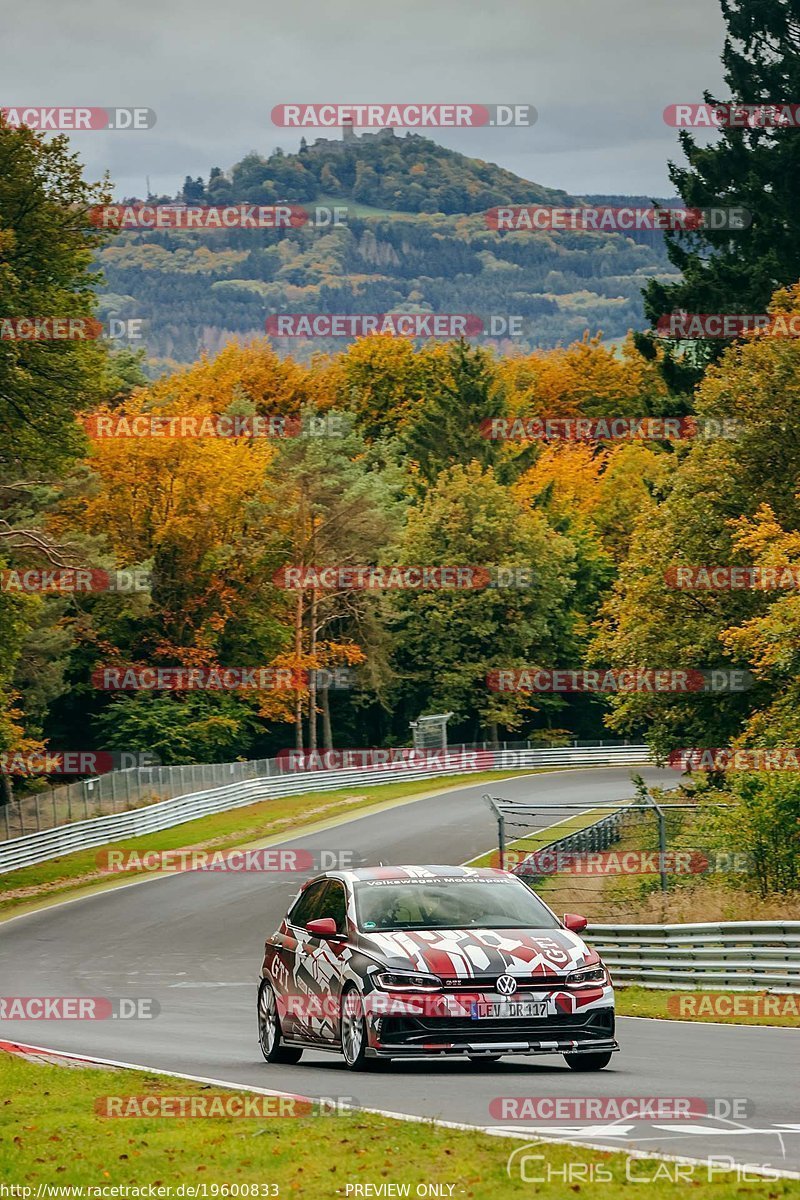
[356,209]
[50,1134]
[702,1006]
[72,873]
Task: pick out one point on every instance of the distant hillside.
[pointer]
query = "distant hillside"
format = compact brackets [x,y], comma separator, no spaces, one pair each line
[415,239]
[403,174]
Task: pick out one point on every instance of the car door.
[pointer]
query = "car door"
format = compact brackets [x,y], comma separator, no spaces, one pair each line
[292,996]
[319,963]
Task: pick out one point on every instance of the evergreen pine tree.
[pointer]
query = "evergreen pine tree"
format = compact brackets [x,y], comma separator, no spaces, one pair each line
[755,168]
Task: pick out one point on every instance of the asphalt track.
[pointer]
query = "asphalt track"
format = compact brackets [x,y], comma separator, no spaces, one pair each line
[193,941]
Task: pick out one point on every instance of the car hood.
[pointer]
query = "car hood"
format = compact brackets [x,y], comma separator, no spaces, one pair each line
[465,953]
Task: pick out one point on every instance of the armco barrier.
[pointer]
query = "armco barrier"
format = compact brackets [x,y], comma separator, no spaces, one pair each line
[731,955]
[99,831]
[134,787]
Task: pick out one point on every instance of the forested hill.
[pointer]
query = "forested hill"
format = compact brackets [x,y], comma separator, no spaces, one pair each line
[414,238]
[409,174]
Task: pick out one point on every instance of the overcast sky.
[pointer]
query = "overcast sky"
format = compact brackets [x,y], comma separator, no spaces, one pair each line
[600,75]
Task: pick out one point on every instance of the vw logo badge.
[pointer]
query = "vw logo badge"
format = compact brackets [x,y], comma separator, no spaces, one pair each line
[507,985]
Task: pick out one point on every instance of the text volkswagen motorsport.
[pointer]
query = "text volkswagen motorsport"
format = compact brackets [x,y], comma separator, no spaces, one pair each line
[398,962]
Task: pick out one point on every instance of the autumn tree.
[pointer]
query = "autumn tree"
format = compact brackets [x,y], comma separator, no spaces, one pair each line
[585,379]
[192,510]
[448,640]
[729,500]
[383,380]
[604,487]
[333,503]
[47,247]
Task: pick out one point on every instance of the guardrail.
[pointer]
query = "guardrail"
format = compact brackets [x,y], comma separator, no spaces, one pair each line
[734,955]
[98,831]
[136,786]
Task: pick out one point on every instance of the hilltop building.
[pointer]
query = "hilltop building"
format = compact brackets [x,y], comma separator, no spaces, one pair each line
[351,138]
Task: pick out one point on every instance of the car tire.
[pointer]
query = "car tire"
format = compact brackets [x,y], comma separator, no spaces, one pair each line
[354,1033]
[270,1036]
[588,1062]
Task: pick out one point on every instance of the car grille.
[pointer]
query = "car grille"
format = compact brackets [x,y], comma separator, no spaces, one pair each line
[488,983]
[597,1024]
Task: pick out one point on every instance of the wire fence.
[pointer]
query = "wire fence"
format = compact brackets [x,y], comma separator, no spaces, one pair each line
[122,791]
[620,860]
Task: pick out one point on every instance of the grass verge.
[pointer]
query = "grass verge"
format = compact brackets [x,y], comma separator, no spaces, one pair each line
[51,1135]
[58,878]
[728,1008]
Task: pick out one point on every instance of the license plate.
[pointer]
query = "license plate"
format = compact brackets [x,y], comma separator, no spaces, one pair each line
[519,1009]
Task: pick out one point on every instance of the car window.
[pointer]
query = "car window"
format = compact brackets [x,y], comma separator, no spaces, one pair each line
[306,907]
[454,904]
[334,904]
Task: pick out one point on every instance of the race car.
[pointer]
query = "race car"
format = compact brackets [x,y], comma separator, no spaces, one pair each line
[416,962]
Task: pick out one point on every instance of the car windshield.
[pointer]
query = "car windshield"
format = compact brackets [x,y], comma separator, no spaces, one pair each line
[449,904]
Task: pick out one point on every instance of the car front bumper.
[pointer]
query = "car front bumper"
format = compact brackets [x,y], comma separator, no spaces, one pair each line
[491,1049]
[587,1032]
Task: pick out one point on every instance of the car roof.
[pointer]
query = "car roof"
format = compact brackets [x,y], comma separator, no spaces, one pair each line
[420,873]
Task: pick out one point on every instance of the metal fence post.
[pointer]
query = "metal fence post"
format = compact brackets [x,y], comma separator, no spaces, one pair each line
[38,814]
[662,845]
[662,841]
[5,814]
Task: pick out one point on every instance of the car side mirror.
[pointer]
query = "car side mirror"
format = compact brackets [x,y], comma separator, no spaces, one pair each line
[575,922]
[324,927]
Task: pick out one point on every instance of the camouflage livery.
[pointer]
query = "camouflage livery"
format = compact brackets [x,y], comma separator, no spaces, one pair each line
[480,991]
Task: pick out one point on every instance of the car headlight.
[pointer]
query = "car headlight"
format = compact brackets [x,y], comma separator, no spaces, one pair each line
[595,976]
[408,981]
